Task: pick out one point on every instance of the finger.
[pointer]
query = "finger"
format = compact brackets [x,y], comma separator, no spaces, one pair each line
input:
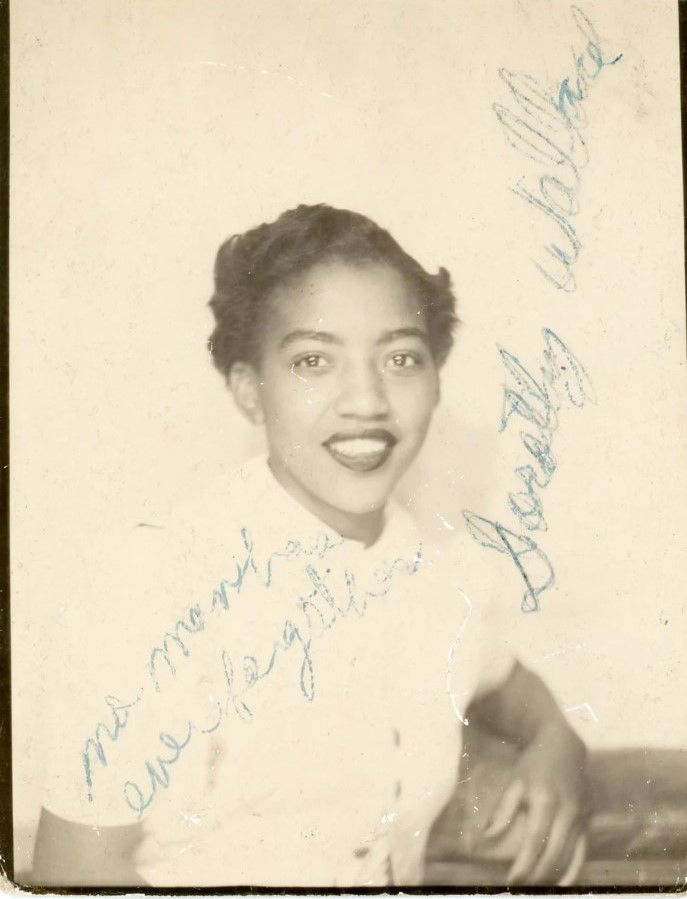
[505,811]
[576,862]
[540,815]
[558,850]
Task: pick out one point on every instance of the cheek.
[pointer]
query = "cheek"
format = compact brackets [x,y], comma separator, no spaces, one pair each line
[290,402]
[414,404]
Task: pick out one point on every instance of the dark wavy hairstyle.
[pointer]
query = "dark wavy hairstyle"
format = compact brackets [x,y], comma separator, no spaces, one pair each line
[250,267]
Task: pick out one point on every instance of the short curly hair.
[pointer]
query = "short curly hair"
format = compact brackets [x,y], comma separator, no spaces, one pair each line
[250,267]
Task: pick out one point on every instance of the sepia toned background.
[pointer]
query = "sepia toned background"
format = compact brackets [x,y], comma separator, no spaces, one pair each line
[144,132]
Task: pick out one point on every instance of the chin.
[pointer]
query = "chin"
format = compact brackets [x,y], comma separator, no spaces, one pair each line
[360,497]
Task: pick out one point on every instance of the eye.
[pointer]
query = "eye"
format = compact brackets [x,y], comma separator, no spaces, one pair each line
[311,360]
[404,360]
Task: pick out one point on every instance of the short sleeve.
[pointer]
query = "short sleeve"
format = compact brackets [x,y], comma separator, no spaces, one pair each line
[95,715]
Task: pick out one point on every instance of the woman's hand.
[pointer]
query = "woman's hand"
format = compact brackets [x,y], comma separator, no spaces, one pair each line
[548,794]
[549,791]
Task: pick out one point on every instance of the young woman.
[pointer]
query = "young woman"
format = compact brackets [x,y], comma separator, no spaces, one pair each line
[300,662]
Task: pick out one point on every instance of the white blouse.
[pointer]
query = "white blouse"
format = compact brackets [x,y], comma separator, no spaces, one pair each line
[277,705]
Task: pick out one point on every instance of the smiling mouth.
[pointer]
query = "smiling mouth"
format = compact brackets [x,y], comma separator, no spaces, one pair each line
[366,451]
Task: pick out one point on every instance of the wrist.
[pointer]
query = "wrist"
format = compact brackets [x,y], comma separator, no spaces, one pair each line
[556,734]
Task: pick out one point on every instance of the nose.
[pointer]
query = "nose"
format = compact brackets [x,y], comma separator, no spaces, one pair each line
[363,394]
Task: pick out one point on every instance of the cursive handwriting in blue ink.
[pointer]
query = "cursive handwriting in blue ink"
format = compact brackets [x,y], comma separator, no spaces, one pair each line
[321,610]
[158,770]
[537,403]
[95,744]
[322,603]
[193,622]
[546,129]
[196,616]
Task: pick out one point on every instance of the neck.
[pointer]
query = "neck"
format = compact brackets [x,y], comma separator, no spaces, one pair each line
[365,527]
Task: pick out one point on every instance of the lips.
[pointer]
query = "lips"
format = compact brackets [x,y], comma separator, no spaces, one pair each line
[363,450]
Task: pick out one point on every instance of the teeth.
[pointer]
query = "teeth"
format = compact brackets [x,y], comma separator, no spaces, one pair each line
[359,446]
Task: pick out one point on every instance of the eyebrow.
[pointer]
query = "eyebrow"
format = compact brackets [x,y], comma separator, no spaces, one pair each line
[398,333]
[326,337]
[322,336]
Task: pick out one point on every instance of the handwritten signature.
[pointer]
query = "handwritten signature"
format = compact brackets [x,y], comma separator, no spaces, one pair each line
[321,610]
[536,402]
[546,129]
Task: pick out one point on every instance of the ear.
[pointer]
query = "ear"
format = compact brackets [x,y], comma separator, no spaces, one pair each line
[245,386]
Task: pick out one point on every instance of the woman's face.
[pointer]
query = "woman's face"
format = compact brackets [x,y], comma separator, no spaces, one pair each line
[346,386]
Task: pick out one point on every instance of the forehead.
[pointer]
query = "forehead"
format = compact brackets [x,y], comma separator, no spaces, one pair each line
[352,300]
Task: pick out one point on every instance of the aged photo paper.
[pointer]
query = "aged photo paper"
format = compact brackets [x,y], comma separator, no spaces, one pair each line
[349,448]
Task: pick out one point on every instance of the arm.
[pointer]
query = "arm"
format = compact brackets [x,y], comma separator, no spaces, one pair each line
[549,781]
[69,854]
